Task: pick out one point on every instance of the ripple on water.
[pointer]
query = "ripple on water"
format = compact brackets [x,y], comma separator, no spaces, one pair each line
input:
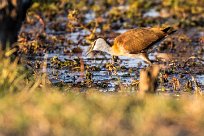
[200,79]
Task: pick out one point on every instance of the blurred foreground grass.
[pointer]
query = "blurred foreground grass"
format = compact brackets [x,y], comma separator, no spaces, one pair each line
[27,107]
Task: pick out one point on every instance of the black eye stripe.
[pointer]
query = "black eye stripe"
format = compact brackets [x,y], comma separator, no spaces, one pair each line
[93,45]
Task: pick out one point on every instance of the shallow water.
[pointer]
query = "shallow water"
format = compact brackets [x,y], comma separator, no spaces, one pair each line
[200,79]
[102,76]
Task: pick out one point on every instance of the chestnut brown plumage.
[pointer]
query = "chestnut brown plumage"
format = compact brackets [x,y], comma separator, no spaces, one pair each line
[134,43]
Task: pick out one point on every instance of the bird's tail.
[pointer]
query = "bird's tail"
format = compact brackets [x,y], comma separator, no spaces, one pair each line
[169,30]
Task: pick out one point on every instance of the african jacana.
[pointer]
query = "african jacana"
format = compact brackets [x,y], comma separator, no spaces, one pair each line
[134,43]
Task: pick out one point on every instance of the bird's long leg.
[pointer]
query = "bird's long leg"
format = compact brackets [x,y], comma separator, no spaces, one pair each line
[144,56]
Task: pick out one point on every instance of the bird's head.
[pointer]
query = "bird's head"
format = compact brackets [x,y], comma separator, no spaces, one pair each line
[99,45]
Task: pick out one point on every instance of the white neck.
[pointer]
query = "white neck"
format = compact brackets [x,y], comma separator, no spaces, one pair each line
[102,45]
[106,48]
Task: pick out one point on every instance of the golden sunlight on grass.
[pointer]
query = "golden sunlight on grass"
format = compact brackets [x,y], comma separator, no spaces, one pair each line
[40,113]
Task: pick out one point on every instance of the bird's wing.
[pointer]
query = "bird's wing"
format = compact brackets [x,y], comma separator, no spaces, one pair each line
[136,40]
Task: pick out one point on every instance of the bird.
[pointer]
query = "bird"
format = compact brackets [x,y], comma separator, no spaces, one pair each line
[12,14]
[134,43]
